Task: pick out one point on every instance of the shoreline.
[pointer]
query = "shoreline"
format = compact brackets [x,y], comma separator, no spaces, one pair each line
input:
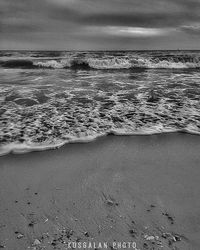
[117,188]
[19,148]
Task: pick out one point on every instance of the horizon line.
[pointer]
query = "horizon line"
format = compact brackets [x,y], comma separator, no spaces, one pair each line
[100,50]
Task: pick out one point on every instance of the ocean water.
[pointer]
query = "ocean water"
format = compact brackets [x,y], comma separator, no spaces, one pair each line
[49,98]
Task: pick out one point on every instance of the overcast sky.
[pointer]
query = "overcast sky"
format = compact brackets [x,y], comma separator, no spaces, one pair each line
[99,24]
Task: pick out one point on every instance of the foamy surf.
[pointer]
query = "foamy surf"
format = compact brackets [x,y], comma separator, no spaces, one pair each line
[43,109]
[21,148]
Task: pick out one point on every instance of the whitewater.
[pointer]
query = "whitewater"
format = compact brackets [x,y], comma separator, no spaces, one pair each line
[100,60]
[49,98]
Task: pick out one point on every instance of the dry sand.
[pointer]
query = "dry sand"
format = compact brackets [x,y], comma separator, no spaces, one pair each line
[143,189]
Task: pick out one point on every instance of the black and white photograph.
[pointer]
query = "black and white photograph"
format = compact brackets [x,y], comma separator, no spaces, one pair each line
[100,124]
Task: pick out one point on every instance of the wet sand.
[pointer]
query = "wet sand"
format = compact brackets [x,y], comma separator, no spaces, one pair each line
[142,189]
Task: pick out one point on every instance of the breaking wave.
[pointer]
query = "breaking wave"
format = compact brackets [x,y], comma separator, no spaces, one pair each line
[113,63]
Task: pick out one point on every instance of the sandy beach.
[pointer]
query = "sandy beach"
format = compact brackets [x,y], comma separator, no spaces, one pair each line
[142,189]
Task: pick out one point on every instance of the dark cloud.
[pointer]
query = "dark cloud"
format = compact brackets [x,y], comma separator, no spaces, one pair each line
[136,20]
[85,24]
[151,13]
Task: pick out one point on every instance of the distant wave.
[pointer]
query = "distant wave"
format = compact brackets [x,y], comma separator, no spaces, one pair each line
[113,63]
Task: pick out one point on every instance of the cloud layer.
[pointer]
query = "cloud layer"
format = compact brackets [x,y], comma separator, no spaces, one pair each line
[100,24]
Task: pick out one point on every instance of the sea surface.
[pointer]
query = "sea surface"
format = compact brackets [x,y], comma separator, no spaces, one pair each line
[49,98]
